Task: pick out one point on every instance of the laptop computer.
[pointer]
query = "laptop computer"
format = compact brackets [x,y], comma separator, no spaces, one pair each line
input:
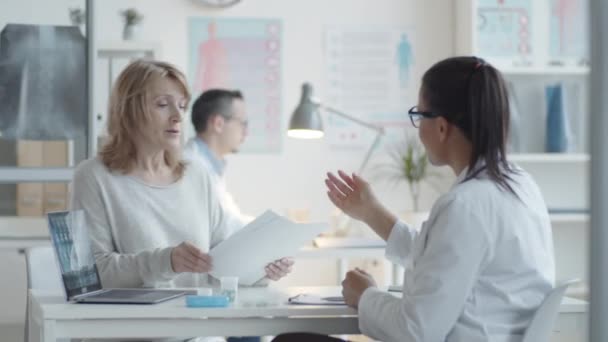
[72,245]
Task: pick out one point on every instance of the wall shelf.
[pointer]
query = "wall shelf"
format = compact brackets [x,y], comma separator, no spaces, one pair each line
[569,218]
[127,49]
[546,71]
[549,157]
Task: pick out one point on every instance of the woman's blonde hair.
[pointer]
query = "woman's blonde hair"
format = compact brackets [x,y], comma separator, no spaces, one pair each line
[129,114]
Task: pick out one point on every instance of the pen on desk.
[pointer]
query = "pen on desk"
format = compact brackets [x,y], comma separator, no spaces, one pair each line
[395,288]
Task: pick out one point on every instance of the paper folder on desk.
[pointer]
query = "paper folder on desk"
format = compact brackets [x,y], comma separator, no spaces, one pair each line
[267,238]
[311,299]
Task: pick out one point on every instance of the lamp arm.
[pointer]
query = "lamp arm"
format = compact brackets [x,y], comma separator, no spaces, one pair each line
[379,132]
[379,129]
[345,219]
[370,151]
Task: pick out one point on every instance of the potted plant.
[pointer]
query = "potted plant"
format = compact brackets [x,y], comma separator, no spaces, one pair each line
[77,18]
[131,18]
[409,163]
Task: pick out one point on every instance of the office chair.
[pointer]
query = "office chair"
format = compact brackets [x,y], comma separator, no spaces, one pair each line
[541,326]
[42,274]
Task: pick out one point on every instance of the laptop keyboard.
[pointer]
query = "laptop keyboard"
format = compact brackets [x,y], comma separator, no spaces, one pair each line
[123,294]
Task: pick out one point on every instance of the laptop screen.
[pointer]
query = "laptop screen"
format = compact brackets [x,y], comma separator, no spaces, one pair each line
[72,246]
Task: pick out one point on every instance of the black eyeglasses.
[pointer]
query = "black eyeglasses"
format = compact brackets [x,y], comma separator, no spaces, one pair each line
[416,115]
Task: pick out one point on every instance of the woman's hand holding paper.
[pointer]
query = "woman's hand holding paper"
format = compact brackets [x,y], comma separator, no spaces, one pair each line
[279,268]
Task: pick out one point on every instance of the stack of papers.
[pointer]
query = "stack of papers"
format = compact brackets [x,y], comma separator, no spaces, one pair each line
[267,238]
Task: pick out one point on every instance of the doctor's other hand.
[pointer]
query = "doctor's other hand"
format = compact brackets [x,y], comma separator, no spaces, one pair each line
[353,286]
[279,268]
[186,257]
[352,194]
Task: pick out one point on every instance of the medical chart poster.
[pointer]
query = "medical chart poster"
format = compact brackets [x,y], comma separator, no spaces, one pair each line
[568,31]
[243,54]
[368,75]
[504,28]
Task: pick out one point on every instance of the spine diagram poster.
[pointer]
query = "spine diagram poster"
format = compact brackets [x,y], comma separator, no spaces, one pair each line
[243,54]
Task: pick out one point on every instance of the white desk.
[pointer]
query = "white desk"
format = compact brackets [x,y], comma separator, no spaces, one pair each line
[342,254]
[262,311]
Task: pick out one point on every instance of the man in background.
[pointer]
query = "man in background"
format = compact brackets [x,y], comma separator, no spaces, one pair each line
[220,122]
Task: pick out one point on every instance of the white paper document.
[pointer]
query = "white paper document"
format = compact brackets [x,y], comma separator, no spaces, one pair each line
[312,299]
[267,238]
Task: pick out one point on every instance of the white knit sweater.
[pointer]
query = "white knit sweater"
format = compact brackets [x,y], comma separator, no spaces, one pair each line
[134,225]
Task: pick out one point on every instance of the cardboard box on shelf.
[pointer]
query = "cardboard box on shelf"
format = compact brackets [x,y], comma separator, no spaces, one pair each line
[55,197]
[29,199]
[56,154]
[35,199]
[29,195]
[29,153]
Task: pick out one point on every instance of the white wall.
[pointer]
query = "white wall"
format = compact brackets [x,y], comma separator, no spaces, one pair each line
[294,178]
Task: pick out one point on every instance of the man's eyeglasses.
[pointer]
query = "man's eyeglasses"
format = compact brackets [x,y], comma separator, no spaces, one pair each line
[244,122]
[416,115]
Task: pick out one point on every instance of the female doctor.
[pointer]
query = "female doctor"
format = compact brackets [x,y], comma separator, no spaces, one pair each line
[483,261]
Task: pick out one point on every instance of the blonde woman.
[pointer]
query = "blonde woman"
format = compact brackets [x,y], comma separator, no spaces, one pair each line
[152,218]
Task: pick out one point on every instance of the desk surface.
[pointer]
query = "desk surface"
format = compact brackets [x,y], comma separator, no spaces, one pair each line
[261,301]
[260,312]
[252,302]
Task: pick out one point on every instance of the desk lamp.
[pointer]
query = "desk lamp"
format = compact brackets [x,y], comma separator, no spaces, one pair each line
[306,121]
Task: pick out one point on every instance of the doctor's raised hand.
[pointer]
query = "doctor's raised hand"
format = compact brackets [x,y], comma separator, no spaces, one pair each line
[354,196]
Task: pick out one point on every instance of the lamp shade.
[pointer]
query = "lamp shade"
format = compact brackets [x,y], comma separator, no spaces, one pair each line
[306,121]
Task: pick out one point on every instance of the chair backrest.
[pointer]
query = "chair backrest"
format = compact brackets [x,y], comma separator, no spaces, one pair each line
[541,326]
[42,274]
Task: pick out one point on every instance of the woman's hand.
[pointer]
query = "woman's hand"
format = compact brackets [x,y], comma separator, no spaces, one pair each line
[188,258]
[352,195]
[353,286]
[279,268]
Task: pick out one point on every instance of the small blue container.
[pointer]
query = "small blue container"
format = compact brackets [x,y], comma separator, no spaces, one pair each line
[207,301]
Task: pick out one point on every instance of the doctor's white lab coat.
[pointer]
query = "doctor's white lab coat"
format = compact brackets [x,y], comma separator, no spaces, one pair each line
[477,270]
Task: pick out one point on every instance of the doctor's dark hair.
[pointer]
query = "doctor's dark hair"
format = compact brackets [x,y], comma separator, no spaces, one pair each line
[213,102]
[472,95]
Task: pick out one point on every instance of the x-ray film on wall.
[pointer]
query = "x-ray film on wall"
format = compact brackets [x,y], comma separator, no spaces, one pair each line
[43,82]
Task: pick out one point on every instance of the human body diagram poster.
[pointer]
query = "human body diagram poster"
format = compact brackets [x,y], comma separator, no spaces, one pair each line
[243,54]
[368,75]
[569,31]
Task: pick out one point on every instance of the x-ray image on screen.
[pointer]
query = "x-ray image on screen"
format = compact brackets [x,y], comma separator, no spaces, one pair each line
[71,240]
